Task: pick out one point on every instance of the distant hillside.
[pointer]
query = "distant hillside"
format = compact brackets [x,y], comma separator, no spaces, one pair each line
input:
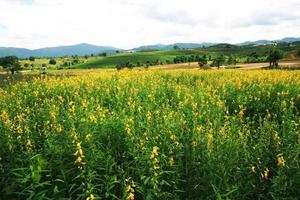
[265,42]
[223,46]
[86,49]
[290,39]
[171,46]
[79,49]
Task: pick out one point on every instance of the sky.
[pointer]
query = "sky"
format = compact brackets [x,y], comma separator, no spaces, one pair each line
[131,23]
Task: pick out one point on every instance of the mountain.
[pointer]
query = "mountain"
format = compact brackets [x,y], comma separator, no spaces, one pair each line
[290,39]
[171,46]
[86,49]
[78,49]
[265,42]
[223,46]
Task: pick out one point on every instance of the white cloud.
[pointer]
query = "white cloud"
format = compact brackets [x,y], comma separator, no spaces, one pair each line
[130,23]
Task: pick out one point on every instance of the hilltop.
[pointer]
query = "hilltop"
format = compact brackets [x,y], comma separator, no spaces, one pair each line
[78,49]
[88,49]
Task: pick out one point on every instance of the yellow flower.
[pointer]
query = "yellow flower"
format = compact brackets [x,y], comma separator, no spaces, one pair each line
[28,144]
[253,169]
[91,197]
[280,160]
[154,152]
[93,118]
[130,189]
[53,114]
[241,113]
[71,107]
[265,174]
[88,137]
[171,161]
[78,160]
[84,104]
[59,129]
[130,196]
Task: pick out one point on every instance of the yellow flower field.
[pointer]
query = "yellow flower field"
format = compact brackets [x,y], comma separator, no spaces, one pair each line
[152,135]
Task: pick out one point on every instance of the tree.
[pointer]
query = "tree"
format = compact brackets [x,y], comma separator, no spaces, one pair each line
[217,62]
[202,61]
[52,61]
[273,58]
[75,61]
[26,65]
[138,64]
[231,60]
[119,67]
[129,65]
[11,63]
[103,54]
[31,58]
[176,47]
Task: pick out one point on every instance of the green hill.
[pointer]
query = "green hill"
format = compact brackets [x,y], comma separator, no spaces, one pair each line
[141,57]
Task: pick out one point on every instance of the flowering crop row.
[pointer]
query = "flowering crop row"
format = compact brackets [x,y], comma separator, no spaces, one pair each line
[152,135]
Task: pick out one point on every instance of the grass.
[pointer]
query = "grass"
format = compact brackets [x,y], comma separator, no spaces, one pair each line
[241,53]
[142,57]
[152,135]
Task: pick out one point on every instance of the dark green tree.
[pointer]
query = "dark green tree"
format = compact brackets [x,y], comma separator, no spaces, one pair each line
[52,61]
[31,58]
[26,65]
[218,61]
[119,67]
[103,54]
[273,57]
[202,61]
[11,63]
[176,47]
[231,60]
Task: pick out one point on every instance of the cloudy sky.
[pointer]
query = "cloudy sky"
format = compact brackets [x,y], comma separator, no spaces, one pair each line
[130,23]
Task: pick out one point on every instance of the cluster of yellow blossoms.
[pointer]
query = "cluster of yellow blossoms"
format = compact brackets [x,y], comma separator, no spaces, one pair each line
[130,189]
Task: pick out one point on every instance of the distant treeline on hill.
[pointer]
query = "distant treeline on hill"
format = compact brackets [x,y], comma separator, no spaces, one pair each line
[204,59]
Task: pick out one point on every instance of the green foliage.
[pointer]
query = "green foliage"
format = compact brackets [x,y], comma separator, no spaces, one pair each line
[11,63]
[31,58]
[218,61]
[202,62]
[152,134]
[231,60]
[26,65]
[103,54]
[52,61]
[176,47]
[274,56]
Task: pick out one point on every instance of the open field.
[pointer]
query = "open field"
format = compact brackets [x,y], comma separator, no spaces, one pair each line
[5,78]
[241,54]
[155,134]
[142,57]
